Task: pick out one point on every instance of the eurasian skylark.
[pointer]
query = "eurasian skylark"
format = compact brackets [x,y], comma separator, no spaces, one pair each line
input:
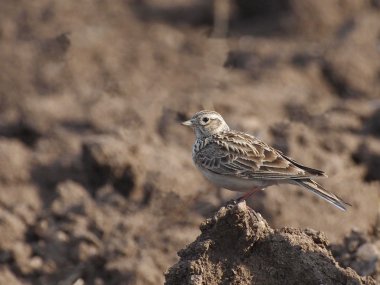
[240,162]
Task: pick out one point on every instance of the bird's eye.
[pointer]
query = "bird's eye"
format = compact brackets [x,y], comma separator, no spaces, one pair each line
[205,120]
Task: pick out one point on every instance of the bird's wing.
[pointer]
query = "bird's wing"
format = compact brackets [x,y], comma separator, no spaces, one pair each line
[241,155]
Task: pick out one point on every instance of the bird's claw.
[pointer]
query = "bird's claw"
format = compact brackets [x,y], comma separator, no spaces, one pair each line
[231,203]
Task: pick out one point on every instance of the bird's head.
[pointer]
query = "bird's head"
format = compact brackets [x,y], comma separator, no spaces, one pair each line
[206,123]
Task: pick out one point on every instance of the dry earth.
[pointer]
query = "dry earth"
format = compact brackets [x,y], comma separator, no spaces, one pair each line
[96,179]
[237,246]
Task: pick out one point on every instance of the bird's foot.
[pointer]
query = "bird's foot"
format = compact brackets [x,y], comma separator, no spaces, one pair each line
[231,203]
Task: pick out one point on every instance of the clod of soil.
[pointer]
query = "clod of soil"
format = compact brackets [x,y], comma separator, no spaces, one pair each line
[237,246]
[353,74]
[361,252]
[368,153]
[14,161]
[107,160]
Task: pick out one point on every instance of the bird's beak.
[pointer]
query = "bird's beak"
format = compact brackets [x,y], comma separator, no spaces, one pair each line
[188,123]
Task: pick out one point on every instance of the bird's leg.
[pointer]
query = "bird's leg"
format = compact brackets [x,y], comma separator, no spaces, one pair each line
[248,194]
[243,198]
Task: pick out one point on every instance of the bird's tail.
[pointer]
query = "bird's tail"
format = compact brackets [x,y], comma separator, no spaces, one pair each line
[318,190]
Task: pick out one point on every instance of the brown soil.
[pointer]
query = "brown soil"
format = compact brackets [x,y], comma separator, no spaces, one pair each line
[97,183]
[237,246]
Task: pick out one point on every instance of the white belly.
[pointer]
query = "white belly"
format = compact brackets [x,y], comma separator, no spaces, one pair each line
[234,183]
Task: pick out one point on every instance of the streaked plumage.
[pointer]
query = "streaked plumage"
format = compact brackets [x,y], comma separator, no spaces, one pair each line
[240,162]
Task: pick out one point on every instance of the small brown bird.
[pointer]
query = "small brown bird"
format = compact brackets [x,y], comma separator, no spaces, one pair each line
[240,162]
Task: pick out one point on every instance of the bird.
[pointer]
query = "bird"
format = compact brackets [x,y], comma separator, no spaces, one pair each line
[240,162]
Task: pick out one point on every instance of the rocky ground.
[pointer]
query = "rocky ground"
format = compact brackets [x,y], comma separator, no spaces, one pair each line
[97,184]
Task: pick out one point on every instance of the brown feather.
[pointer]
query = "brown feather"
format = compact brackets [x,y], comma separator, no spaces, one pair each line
[248,157]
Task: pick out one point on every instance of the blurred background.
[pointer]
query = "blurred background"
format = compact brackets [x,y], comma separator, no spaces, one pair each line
[97,184]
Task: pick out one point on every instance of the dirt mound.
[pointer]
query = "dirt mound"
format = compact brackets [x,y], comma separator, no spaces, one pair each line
[237,246]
